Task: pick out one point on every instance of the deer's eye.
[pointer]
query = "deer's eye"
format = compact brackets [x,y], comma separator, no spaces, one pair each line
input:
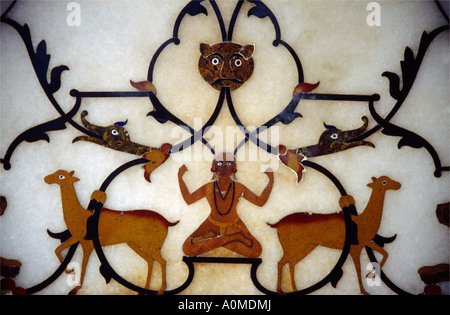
[384,182]
[61,177]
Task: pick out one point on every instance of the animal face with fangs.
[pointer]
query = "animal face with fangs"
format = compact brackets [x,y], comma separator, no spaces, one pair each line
[226,64]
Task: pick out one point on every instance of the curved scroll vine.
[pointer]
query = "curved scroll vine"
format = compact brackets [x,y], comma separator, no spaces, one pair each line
[410,67]
[40,61]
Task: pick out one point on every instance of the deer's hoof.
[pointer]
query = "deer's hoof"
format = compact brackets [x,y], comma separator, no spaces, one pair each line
[99,196]
[74,290]
[346,201]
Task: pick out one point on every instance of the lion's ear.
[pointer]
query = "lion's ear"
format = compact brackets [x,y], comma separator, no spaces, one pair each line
[205,49]
[247,51]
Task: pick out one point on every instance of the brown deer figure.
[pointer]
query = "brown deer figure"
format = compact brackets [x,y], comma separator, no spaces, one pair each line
[143,230]
[301,233]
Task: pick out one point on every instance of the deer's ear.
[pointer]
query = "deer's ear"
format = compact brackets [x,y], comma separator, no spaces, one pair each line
[74,179]
[373,181]
[205,50]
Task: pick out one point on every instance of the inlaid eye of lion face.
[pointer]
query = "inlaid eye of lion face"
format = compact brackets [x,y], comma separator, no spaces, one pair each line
[226,64]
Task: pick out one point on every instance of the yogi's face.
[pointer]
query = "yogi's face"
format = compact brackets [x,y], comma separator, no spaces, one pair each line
[224,165]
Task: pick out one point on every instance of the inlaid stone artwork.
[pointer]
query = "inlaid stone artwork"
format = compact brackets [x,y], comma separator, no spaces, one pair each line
[224,147]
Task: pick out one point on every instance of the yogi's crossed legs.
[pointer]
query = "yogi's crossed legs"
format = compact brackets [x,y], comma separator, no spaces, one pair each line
[233,236]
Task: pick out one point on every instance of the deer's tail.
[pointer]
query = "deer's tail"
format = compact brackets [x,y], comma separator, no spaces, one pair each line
[62,236]
[169,224]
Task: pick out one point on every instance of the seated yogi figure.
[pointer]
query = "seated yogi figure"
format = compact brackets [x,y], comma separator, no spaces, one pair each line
[223,227]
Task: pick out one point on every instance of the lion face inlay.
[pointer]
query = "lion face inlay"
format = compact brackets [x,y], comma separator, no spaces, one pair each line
[226,64]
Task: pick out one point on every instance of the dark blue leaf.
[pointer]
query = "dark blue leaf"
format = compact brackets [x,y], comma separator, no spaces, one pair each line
[159,116]
[288,117]
[409,55]
[55,78]
[259,10]
[41,49]
[194,7]
[394,84]
[337,275]
[41,60]
[106,272]
[411,140]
